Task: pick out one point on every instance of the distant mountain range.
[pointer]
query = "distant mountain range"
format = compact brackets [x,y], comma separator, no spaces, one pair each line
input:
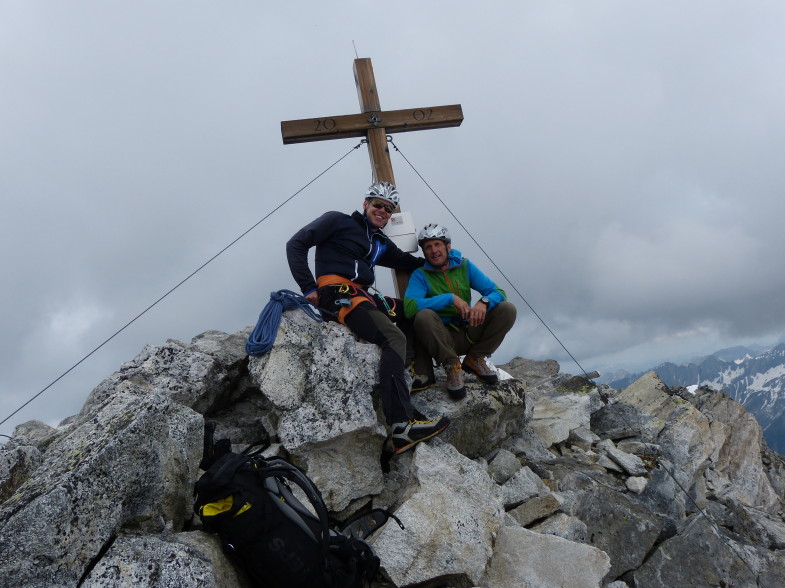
[753,376]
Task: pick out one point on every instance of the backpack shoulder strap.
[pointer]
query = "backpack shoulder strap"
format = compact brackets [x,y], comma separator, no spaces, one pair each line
[278,467]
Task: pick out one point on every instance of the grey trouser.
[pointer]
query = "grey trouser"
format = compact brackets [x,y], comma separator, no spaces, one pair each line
[376,326]
[442,342]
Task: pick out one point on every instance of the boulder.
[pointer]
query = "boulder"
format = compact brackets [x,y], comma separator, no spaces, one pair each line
[555,416]
[623,529]
[527,445]
[690,559]
[564,526]
[760,529]
[187,376]
[319,380]
[636,484]
[452,515]
[17,464]
[681,430]
[164,561]
[503,466]
[522,486]
[632,464]
[347,468]
[649,395]
[130,462]
[737,471]
[525,559]
[531,372]
[34,433]
[583,438]
[484,419]
[536,508]
[619,421]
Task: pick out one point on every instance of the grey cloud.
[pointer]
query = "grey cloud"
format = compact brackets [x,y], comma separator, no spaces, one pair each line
[621,163]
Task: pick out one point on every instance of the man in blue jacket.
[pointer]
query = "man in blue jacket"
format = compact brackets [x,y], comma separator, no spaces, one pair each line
[348,247]
[446,325]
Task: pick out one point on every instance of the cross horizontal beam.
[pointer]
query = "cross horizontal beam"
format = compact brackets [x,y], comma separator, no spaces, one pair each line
[358,125]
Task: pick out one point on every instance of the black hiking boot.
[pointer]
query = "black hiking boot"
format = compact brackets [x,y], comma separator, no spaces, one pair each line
[422,383]
[406,435]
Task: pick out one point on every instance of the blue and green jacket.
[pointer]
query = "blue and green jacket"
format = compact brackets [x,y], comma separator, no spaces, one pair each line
[432,288]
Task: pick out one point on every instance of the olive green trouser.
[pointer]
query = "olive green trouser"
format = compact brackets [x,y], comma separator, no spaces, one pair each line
[443,342]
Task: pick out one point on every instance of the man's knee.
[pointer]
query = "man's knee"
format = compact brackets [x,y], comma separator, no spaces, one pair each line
[428,324]
[425,317]
[504,312]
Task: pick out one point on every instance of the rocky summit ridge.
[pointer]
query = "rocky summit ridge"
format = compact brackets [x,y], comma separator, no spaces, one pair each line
[543,480]
[756,380]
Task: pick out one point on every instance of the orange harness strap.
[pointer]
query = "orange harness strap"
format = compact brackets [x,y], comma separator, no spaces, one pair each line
[354,291]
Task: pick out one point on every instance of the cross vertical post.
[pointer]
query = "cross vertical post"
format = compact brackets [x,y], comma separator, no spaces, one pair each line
[377,136]
[373,124]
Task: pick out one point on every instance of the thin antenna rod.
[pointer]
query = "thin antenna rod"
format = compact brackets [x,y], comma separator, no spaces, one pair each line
[355,49]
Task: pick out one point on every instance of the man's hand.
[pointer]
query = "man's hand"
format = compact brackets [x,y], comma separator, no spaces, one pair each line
[461,307]
[477,314]
[313,298]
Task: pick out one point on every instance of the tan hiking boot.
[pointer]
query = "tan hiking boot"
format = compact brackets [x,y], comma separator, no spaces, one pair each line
[455,387]
[480,368]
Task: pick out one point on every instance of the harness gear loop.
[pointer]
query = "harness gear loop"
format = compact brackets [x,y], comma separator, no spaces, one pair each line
[383,298]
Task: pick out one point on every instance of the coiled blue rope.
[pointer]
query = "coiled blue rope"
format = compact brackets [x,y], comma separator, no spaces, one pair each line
[263,335]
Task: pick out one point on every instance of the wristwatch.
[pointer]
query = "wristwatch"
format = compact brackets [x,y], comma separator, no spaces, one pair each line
[485,300]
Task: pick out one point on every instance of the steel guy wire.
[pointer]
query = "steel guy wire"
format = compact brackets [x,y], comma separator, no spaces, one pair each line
[512,285]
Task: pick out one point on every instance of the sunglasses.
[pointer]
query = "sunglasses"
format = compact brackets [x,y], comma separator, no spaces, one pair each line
[381,204]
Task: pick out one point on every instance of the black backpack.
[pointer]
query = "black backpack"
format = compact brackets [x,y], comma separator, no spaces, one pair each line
[248,501]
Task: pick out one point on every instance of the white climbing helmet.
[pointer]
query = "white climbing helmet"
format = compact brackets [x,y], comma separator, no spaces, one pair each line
[385,191]
[433,231]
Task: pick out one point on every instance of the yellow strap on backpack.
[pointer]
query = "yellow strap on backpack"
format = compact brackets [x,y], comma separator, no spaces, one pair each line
[212,509]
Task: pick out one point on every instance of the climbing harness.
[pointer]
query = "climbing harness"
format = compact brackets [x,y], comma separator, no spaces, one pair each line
[346,296]
[263,335]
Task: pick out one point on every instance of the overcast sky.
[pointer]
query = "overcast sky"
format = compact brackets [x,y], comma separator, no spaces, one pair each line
[621,162]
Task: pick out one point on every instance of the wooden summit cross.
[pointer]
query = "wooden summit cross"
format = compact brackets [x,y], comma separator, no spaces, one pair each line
[374,124]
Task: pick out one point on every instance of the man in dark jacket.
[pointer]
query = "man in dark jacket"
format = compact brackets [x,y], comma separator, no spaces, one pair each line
[348,247]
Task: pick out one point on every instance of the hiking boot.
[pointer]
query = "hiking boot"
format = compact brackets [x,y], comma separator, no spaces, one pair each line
[480,368]
[455,386]
[422,383]
[407,434]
